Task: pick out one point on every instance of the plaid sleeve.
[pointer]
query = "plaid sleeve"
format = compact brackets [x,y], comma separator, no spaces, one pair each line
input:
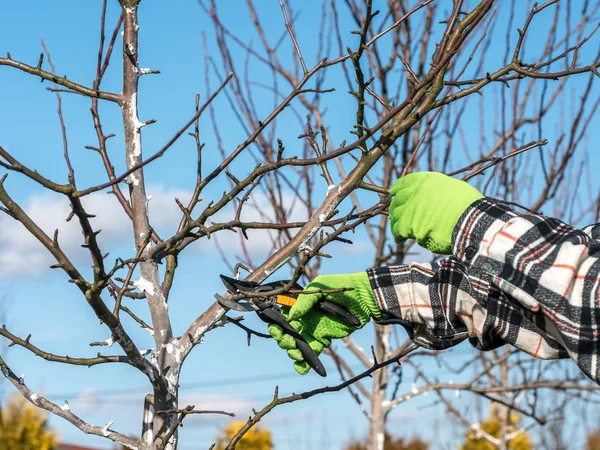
[444,303]
[527,280]
[544,265]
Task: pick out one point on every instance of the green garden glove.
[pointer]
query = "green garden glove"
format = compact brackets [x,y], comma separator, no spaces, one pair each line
[426,207]
[317,327]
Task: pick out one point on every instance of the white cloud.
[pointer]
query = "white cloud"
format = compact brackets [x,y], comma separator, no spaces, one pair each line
[22,254]
[88,401]
[258,209]
[164,212]
[260,243]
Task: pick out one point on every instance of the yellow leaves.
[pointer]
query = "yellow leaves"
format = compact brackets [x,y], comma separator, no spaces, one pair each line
[24,427]
[257,438]
[493,427]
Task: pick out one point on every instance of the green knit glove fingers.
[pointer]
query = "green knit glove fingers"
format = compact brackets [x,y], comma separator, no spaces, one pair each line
[426,207]
[287,342]
[319,328]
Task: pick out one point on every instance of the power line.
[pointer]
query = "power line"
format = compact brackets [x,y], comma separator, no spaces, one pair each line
[193,385]
[220,382]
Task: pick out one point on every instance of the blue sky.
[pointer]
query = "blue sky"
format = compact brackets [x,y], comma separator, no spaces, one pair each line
[222,372]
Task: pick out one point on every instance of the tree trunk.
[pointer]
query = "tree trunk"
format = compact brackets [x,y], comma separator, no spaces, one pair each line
[164,401]
[167,358]
[378,396]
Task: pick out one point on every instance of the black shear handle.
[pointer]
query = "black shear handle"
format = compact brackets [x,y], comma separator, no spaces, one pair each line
[340,312]
[272,315]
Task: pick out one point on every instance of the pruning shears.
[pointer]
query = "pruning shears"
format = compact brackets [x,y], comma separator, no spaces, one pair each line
[268,308]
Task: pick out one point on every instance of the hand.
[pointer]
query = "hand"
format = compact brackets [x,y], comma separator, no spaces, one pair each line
[317,327]
[426,207]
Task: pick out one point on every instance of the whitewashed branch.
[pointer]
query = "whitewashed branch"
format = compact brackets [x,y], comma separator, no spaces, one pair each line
[65,412]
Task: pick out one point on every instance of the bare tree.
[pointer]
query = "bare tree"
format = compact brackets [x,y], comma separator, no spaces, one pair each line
[517,115]
[410,95]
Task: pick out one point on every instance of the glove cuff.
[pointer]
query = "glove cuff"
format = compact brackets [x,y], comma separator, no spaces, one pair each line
[363,286]
[440,240]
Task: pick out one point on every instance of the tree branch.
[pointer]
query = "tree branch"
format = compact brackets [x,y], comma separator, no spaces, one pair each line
[66,413]
[63,81]
[25,343]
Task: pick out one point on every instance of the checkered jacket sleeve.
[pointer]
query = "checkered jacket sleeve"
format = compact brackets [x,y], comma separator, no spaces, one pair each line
[527,280]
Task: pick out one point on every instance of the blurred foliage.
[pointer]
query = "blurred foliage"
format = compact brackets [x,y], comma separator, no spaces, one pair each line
[593,440]
[392,443]
[493,426]
[24,427]
[257,438]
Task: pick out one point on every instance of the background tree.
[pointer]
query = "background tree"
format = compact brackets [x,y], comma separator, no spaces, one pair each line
[520,111]
[24,427]
[493,426]
[419,76]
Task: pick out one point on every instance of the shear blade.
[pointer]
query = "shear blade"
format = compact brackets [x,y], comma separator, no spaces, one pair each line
[230,304]
[234,286]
